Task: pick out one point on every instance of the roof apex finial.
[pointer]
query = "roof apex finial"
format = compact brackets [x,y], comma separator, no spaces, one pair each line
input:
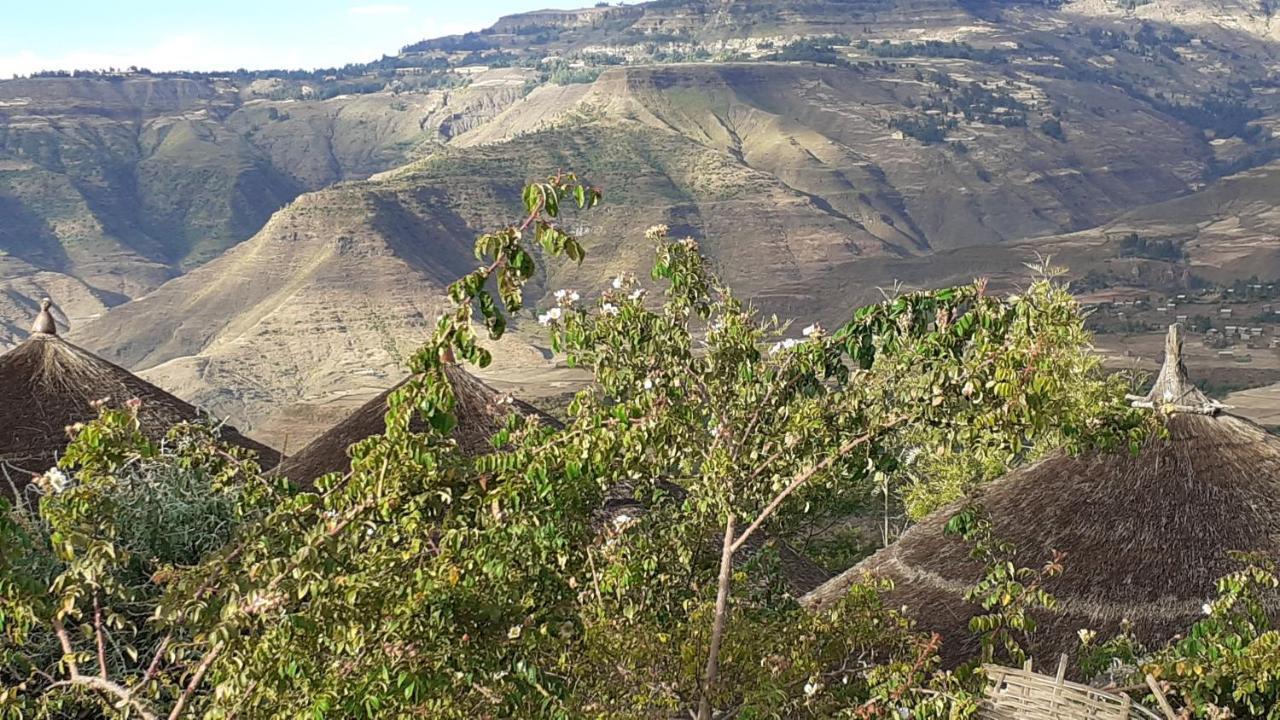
[1173,389]
[44,323]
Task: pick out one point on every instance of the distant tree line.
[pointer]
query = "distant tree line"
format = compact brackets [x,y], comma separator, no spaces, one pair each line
[1139,247]
[933,48]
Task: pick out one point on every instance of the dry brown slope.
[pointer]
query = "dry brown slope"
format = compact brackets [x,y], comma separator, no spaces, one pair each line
[824,132]
[342,282]
[121,184]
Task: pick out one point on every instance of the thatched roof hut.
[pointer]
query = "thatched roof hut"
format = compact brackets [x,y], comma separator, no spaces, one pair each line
[1145,536]
[481,412]
[48,384]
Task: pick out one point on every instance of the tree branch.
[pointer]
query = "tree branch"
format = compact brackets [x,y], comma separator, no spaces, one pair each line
[717,628]
[805,477]
[196,678]
[155,660]
[110,688]
[98,637]
[68,653]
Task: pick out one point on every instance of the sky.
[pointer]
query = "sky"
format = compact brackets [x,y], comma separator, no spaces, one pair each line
[229,34]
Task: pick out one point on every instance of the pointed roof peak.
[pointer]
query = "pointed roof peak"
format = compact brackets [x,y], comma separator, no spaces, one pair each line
[1173,390]
[44,323]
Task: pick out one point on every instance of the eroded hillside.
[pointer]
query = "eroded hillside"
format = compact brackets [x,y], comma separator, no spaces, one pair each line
[818,150]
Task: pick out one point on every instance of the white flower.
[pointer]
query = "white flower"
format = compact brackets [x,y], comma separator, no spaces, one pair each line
[813,330]
[1086,636]
[715,431]
[810,688]
[621,519]
[1207,609]
[618,282]
[657,232]
[609,309]
[648,384]
[904,712]
[637,294]
[58,480]
[783,345]
[567,297]
[550,316]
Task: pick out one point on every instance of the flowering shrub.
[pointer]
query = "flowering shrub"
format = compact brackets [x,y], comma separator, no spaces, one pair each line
[427,582]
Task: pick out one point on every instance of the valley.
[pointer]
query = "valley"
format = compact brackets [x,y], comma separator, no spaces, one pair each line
[272,245]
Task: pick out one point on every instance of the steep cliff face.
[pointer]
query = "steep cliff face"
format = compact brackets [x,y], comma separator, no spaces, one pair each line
[1258,18]
[592,17]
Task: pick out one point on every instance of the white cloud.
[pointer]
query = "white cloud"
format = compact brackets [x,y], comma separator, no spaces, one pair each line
[380,10]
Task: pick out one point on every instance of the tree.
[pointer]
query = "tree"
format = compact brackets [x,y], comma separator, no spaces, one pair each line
[427,581]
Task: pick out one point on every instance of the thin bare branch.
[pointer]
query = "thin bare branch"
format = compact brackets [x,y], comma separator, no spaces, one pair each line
[68,653]
[196,678]
[99,638]
[109,688]
[155,660]
[806,476]
[711,675]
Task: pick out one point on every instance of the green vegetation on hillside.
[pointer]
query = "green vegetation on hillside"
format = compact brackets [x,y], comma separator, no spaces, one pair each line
[1134,246]
[933,49]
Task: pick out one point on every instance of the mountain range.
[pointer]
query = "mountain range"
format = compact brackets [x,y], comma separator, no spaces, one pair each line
[271,244]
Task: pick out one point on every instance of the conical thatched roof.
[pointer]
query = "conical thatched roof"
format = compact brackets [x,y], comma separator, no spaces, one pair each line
[1144,536]
[481,412]
[47,384]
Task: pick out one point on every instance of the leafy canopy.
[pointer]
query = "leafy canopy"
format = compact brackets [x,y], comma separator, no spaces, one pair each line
[429,582]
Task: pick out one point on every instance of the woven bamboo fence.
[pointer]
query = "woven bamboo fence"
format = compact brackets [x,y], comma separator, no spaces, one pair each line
[1025,695]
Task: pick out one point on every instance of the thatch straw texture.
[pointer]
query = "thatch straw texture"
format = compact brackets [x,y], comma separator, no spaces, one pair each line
[1145,536]
[480,410]
[48,384]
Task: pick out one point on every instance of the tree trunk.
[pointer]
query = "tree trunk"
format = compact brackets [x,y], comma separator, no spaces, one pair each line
[717,628]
